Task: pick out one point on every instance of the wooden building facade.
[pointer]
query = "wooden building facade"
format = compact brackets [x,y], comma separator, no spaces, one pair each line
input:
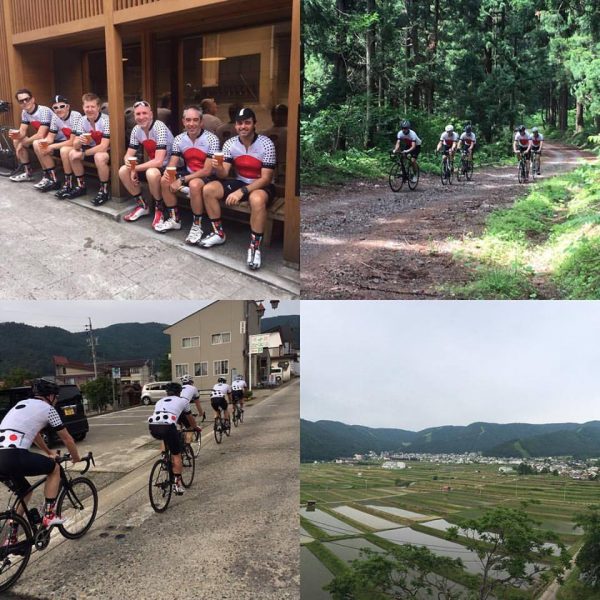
[170,52]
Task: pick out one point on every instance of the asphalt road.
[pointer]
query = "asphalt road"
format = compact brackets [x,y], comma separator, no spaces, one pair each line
[233,535]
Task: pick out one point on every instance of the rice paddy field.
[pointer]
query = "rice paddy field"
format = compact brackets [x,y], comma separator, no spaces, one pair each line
[380,502]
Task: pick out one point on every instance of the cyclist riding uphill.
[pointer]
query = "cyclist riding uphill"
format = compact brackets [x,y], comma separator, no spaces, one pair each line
[220,397]
[163,426]
[409,140]
[522,142]
[21,427]
[448,141]
[467,140]
[537,142]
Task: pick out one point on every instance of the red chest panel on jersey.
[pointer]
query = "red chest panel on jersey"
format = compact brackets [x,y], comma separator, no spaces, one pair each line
[468,141]
[194,159]
[150,147]
[523,141]
[96,136]
[448,142]
[248,166]
[67,132]
[35,124]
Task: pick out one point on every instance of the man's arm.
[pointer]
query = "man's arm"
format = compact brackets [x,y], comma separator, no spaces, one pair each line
[38,440]
[68,441]
[156,162]
[103,146]
[40,134]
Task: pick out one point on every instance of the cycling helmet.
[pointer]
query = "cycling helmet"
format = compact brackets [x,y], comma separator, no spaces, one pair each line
[449,128]
[521,128]
[221,380]
[468,128]
[405,125]
[187,380]
[173,388]
[535,130]
[239,377]
[44,387]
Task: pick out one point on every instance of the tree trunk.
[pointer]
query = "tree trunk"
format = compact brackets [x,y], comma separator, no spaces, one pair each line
[340,74]
[563,107]
[369,43]
[579,117]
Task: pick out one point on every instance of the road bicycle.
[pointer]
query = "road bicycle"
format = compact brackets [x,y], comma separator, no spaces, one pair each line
[77,502]
[238,414]
[401,172]
[9,164]
[523,172]
[535,164]
[221,426]
[162,478]
[466,167]
[447,168]
[194,439]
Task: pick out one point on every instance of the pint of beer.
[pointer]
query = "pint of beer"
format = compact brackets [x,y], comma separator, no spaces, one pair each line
[172,173]
[219,158]
[132,163]
[44,144]
[13,134]
[88,138]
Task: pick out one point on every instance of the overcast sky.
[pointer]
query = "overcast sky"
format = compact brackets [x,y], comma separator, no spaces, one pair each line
[413,365]
[73,315]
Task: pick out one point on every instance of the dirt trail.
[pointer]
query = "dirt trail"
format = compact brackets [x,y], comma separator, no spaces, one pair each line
[364,241]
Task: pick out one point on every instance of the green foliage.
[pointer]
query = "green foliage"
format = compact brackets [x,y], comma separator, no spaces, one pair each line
[525,469]
[527,218]
[579,272]
[498,282]
[99,392]
[588,558]
[164,368]
[18,377]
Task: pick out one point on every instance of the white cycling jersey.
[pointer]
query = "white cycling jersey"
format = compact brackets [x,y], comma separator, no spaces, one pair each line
[168,409]
[522,139]
[448,139]
[40,116]
[239,385]
[189,392]
[468,139]
[63,128]
[220,390]
[25,420]
[99,129]
[536,141]
[411,136]
[159,137]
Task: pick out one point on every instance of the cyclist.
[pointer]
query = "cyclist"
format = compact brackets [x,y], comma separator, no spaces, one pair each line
[468,141]
[238,391]
[254,158]
[220,397]
[537,141]
[190,391]
[194,146]
[21,427]
[63,123]
[407,137]
[157,140]
[448,142]
[522,143]
[39,118]
[168,411]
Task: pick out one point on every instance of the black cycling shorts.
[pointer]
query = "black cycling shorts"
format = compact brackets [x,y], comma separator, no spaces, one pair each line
[184,421]
[232,185]
[15,463]
[218,402]
[169,435]
[414,152]
[237,395]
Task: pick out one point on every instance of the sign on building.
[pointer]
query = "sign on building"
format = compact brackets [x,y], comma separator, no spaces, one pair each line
[116,372]
[258,342]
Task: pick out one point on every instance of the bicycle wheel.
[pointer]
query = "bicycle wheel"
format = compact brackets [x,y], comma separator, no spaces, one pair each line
[413,176]
[160,486]
[235,416]
[396,179]
[8,158]
[469,170]
[227,427]
[78,504]
[218,430]
[196,444]
[521,175]
[461,170]
[15,548]
[241,416]
[444,173]
[188,463]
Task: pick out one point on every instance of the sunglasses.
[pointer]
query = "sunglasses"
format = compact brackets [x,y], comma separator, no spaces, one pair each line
[57,106]
[23,100]
[141,103]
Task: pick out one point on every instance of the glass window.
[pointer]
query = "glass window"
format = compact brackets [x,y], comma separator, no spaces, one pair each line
[220,367]
[190,342]
[181,370]
[221,338]
[201,369]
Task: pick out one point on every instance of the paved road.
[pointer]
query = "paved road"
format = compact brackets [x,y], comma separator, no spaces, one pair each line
[233,535]
[61,250]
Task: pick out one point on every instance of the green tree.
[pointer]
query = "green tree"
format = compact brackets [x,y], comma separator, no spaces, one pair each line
[402,572]
[588,559]
[164,369]
[18,377]
[98,392]
[505,540]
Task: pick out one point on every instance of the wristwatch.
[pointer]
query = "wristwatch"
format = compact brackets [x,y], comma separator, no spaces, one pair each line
[244,190]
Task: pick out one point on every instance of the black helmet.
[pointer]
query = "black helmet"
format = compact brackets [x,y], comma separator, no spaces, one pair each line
[221,380]
[173,388]
[44,387]
[521,128]
[405,125]
[468,128]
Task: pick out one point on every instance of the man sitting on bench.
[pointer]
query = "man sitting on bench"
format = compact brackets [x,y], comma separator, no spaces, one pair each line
[93,140]
[253,157]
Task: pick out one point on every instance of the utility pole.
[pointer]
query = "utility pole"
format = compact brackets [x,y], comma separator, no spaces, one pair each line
[92,342]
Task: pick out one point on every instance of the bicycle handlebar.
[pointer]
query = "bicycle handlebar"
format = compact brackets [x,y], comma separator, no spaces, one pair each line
[89,458]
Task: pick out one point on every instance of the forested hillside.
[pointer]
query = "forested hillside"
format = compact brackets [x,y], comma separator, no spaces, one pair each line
[31,348]
[494,63]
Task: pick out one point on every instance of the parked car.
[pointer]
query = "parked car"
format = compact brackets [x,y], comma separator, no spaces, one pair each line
[153,392]
[69,406]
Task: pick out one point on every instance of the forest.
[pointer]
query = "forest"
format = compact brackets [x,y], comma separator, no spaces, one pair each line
[368,64]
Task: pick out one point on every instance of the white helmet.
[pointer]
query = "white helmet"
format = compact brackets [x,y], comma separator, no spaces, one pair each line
[187,380]
[239,377]
[449,128]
